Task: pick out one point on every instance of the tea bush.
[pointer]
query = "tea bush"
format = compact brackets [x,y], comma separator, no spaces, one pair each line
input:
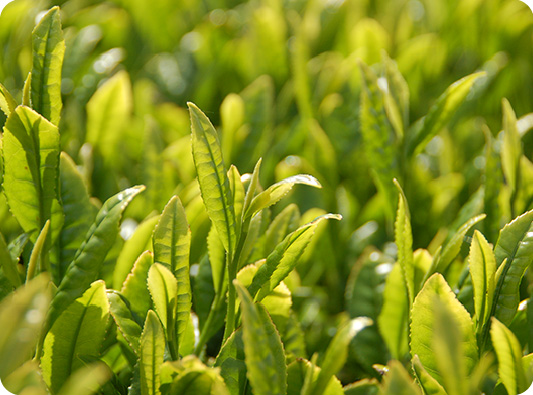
[136,260]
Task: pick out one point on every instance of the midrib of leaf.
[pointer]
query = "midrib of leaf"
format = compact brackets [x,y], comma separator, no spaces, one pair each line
[70,357]
[36,143]
[45,70]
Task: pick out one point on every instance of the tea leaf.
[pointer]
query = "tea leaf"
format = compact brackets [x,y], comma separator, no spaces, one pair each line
[139,241]
[31,166]
[87,380]
[482,270]
[264,356]
[276,192]
[511,150]
[423,326]
[36,258]
[48,51]
[123,318]
[237,192]
[172,240]
[404,241]
[440,113]
[78,210]
[230,360]
[192,377]
[284,258]
[429,385]
[212,177]
[152,353]
[22,312]
[394,317]
[509,353]
[164,290]
[79,330]
[91,254]
[8,264]
[134,288]
[378,137]
[286,221]
[7,102]
[514,253]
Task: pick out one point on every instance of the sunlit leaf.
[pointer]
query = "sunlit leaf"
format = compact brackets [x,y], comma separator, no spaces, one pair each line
[134,288]
[48,51]
[122,315]
[397,381]
[7,102]
[298,370]
[79,330]
[152,351]
[212,177]
[404,241]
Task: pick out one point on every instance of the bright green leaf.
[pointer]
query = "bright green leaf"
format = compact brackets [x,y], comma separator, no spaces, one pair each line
[423,325]
[297,372]
[284,258]
[509,353]
[152,352]
[31,170]
[512,149]
[79,330]
[48,51]
[440,113]
[122,315]
[398,382]
[212,177]
[91,254]
[427,383]
[134,288]
[7,103]
[264,356]
[87,380]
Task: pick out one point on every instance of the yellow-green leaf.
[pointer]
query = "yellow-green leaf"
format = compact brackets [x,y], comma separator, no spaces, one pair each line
[48,51]
[152,352]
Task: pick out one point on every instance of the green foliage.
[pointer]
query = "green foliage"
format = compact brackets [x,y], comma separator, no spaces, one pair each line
[240,284]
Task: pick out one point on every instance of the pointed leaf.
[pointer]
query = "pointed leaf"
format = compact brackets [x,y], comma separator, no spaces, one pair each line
[482,270]
[512,147]
[423,325]
[108,113]
[286,221]
[31,167]
[252,187]
[164,290]
[26,92]
[277,191]
[123,318]
[36,263]
[80,330]
[284,258]
[509,353]
[139,241]
[212,177]
[91,255]
[337,352]
[454,246]
[264,355]
[230,360]
[427,383]
[79,213]
[172,240]
[217,259]
[134,288]
[7,103]
[514,253]
[48,51]
[237,192]
[393,319]
[152,351]
[378,137]
[404,241]
[22,315]
[440,113]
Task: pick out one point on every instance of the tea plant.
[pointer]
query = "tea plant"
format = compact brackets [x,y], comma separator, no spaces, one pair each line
[204,287]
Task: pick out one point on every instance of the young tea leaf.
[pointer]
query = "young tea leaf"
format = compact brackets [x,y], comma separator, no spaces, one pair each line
[164,290]
[48,51]
[514,254]
[89,258]
[134,288]
[172,240]
[427,383]
[509,353]
[511,150]
[212,177]
[7,102]
[152,352]
[122,316]
[31,170]
[284,258]
[264,355]
[423,325]
[298,370]
[80,330]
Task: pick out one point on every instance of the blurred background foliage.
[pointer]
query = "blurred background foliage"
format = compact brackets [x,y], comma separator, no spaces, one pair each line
[281,81]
